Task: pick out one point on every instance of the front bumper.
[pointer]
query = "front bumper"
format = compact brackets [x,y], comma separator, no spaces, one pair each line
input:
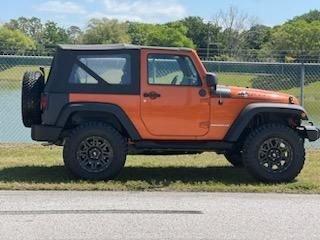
[43,133]
[311,132]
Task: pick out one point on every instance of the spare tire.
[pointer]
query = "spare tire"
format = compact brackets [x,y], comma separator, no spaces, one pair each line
[32,87]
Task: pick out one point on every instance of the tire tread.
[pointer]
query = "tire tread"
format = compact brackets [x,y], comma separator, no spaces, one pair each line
[122,146]
[252,138]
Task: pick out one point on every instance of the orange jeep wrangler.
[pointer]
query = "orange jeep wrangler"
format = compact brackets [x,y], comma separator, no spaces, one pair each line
[102,102]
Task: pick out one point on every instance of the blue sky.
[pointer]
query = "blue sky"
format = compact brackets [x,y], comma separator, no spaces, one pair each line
[72,12]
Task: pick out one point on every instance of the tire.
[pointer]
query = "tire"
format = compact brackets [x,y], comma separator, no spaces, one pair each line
[234,158]
[32,87]
[274,153]
[85,148]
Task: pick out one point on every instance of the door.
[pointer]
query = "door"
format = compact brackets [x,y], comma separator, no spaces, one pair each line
[173,100]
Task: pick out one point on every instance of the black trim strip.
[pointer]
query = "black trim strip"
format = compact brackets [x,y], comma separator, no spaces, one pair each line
[184,145]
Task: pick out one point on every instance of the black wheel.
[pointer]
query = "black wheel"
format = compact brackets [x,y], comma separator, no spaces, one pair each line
[274,153]
[95,151]
[235,158]
[32,87]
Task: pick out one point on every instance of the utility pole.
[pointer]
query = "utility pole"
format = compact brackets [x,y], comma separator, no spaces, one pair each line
[208,41]
[302,81]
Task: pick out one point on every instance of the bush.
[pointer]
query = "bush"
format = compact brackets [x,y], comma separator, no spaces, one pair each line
[15,40]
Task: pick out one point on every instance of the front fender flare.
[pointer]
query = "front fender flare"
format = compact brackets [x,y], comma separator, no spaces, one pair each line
[253,109]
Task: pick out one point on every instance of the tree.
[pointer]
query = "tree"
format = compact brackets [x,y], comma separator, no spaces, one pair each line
[256,37]
[175,35]
[74,34]
[15,40]
[32,27]
[53,34]
[139,32]
[106,31]
[233,23]
[199,32]
[171,34]
[309,17]
[43,34]
[300,36]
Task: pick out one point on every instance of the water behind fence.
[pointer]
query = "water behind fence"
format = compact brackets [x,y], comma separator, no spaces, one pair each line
[300,80]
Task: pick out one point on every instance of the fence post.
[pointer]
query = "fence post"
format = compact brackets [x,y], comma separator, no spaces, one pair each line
[302,80]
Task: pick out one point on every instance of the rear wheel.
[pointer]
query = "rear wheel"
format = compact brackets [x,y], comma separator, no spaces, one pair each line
[95,151]
[274,153]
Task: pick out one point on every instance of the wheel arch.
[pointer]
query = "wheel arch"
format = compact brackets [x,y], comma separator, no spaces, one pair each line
[78,113]
[273,111]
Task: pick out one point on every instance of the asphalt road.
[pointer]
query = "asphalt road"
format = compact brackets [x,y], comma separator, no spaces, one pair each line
[160,215]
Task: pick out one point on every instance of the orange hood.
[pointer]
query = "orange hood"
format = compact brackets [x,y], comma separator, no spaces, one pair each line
[260,95]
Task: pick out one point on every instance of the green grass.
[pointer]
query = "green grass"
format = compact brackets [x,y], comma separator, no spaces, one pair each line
[16,73]
[234,79]
[33,167]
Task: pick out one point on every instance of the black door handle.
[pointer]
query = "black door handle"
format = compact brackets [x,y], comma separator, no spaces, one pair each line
[152,95]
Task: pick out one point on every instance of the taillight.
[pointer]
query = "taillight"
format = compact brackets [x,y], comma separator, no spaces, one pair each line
[44,102]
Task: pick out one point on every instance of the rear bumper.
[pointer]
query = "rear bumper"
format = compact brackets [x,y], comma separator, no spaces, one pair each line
[43,133]
[312,133]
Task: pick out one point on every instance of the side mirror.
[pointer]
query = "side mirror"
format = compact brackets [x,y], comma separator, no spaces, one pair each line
[211,80]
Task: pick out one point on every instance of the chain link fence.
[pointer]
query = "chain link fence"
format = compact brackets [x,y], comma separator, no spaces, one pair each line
[259,55]
[298,79]
[12,69]
[301,80]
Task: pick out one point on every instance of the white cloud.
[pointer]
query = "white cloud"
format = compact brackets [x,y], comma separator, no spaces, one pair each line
[115,16]
[61,7]
[141,10]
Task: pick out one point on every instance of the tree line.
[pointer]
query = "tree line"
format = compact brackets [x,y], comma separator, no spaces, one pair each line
[230,35]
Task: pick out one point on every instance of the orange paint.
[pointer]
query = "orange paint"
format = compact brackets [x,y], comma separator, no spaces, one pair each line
[180,113]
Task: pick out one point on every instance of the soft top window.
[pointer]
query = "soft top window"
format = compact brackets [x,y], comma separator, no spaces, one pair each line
[112,69]
[89,71]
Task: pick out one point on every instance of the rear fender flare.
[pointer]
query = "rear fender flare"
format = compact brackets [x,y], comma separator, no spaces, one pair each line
[124,120]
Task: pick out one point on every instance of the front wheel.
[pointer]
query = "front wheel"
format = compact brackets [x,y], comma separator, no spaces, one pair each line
[274,153]
[95,151]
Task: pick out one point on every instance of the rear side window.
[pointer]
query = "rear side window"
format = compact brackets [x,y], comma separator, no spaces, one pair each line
[109,69]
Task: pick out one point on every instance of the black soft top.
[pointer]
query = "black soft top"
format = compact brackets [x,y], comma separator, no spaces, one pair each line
[67,55]
[121,46]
